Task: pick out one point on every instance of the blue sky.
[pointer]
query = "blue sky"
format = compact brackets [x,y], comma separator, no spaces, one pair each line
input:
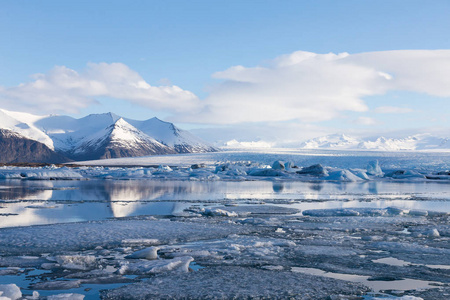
[190,44]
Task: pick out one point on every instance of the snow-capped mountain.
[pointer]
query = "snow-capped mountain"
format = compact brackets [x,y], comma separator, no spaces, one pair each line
[181,140]
[344,142]
[101,135]
[333,141]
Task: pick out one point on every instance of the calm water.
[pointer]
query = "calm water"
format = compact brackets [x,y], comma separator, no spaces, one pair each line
[24,203]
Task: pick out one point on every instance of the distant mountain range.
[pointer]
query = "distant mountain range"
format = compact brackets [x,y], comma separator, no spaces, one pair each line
[345,142]
[53,139]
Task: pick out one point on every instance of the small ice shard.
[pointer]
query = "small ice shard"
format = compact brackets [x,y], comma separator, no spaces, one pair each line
[197,166]
[10,291]
[278,165]
[147,253]
[314,170]
[373,168]
[67,296]
[396,211]
[163,168]
[432,233]
[217,212]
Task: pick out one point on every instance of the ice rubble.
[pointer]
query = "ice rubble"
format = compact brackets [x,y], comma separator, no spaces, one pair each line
[279,170]
[239,256]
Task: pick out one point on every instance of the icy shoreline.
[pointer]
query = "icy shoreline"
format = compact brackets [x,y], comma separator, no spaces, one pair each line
[360,229]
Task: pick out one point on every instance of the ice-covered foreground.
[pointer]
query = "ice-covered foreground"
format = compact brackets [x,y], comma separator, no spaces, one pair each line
[228,230]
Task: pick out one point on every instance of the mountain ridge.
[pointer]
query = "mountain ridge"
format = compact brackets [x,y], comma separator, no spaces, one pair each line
[98,136]
[422,141]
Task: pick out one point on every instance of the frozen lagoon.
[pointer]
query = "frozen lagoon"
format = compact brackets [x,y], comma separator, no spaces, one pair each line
[258,237]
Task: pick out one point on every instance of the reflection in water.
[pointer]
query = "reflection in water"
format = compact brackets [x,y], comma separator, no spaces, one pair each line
[373,188]
[278,187]
[26,203]
[316,187]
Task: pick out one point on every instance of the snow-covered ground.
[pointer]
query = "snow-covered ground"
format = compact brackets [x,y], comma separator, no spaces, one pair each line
[229,225]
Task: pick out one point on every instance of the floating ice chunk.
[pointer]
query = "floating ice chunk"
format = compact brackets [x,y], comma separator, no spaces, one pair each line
[10,291]
[396,210]
[338,212]
[404,174]
[342,175]
[290,165]
[418,213]
[361,174]
[157,266]
[373,168]
[147,253]
[163,168]
[278,165]
[266,172]
[71,296]
[210,212]
[203,175]
[314,170]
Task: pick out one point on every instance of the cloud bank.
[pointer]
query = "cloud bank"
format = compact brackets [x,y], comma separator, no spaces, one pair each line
[311,87]
[65,90]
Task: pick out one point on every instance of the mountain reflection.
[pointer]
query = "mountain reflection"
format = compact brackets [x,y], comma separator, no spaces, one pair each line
[24,203]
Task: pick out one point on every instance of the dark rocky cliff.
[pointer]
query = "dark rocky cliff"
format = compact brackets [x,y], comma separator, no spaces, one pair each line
[15,148]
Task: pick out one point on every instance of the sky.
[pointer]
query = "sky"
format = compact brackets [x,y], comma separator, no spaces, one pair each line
[270,72]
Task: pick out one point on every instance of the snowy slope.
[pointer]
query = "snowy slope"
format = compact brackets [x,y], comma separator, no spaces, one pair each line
[23,124]
[344,142]
[172,136]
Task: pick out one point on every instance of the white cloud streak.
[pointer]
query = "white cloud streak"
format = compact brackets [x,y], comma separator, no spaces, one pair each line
[65,90]
[393,110]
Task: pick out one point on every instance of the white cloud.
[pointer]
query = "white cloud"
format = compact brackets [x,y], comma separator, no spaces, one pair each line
[393,110]
[312,87]
[367,121]
[65,90]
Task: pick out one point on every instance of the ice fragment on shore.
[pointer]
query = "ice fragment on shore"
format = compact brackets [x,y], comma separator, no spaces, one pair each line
[147,253]
[76,262]
[68,296]
[10,291]
[217,212]
[157,266]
